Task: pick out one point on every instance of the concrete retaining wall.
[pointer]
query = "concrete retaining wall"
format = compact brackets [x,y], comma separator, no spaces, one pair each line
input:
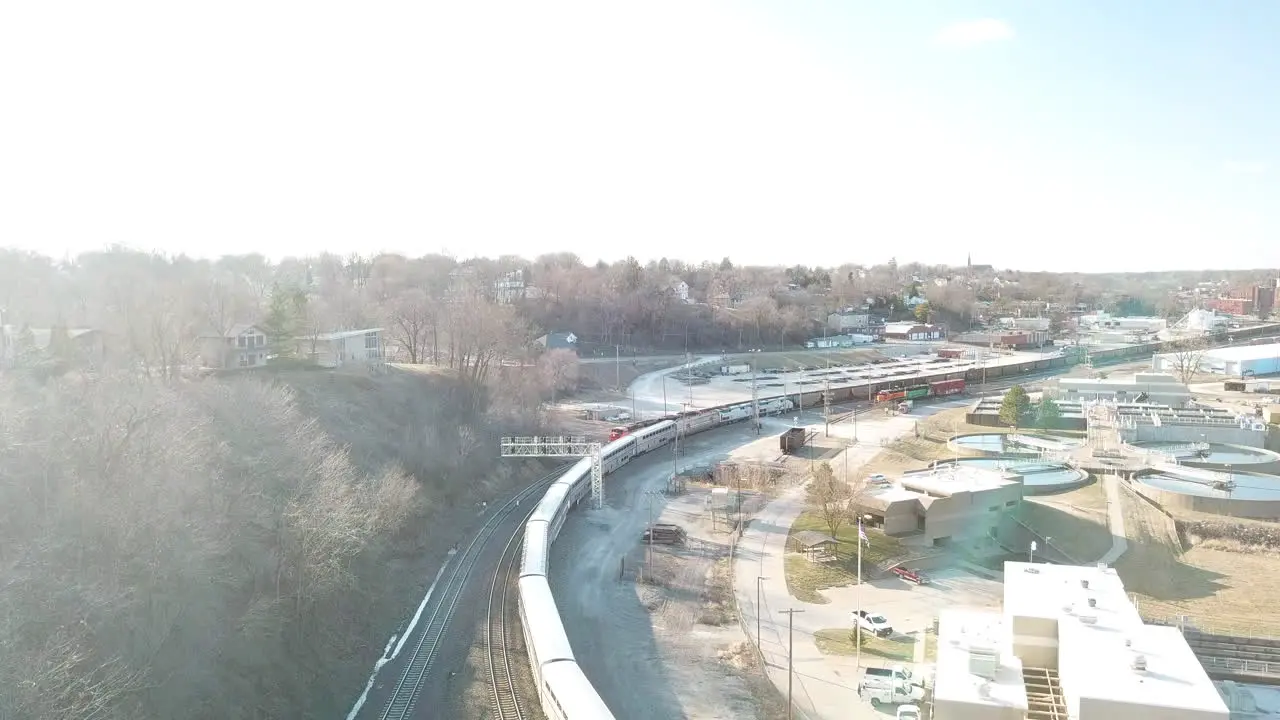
[1174,501]
[1230,435]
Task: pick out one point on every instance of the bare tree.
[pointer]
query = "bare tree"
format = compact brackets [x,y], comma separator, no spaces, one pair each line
[559,370]
[1186,360]
[830,496]
[410,321]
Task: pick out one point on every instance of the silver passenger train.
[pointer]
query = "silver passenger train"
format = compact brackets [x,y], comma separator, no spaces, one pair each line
[564,691]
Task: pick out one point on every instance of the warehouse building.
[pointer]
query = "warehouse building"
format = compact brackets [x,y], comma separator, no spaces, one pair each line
[946,504]
[1068,644]
[913,331]
[1017,340]
[1151,387]
[1241,362]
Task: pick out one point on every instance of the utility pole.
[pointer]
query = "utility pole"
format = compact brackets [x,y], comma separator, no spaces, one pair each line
[617,369]
[755,398]
[759,610]
[791,616]
[826,408]
[648,572]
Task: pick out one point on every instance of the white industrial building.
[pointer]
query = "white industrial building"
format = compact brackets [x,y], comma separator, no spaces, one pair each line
[1246,361]
[1068,644]
[1153,387]
[1202,321]
[1104,321]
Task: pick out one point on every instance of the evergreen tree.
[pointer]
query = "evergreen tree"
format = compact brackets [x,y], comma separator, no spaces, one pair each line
[282,322]
[1015,405]
[1048,412]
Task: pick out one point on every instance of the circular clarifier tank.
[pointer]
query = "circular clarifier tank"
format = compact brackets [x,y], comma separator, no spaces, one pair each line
[1011,443]
[1217,454]
[1237,485]
[1037,477]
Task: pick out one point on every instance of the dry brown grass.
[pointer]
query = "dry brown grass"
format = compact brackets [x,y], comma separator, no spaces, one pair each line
[914,453]
[1221,585]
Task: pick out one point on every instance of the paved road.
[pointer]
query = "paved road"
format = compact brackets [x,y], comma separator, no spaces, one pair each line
[823,686]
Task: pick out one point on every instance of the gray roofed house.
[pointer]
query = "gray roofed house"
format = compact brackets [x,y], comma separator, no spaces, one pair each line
[559,341]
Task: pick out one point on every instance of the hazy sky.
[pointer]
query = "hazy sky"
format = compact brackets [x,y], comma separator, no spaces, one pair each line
[1078,134]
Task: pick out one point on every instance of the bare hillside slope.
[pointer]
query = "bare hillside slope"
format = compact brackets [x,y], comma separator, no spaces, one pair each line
[227,548]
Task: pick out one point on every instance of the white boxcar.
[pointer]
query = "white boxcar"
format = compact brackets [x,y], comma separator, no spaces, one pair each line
[552,509]
[568,695]
[534,549]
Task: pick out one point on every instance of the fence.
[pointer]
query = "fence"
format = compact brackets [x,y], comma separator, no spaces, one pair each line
[742,617]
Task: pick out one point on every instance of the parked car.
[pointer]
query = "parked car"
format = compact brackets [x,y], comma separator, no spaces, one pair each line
[909,712]
[877,479]
[872,622]
[911,576]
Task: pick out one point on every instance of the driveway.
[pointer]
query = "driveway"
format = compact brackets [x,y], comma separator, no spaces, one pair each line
[824,686]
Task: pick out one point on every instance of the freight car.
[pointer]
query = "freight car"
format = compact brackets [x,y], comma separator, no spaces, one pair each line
[940,388]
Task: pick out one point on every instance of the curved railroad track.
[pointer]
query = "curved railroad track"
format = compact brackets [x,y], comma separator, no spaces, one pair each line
[405,697]
[506,701]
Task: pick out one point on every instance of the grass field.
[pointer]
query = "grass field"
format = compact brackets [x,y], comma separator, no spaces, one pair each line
[930,645]
[1218,589]
[913,453]
[840,641]
[805,579]
[1076,521]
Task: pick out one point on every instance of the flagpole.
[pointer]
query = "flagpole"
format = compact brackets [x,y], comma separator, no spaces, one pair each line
[857,640]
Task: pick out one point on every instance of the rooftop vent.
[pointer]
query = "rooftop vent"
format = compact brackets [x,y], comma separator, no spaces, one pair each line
[1093,602]
[984,690]
[1033,571]
[1128,642]
[1139,663]
[1084,584]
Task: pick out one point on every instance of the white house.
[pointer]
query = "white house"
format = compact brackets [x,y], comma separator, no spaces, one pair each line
[681,290]
[848,319]
[345,347]
[242,346]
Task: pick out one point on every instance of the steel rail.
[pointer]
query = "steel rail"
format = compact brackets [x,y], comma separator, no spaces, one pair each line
[506,700]
[405,697]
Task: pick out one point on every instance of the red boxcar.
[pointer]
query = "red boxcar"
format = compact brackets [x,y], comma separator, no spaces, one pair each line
[947,387]
[952,353]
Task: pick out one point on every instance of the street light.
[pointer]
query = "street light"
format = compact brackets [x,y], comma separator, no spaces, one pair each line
[791,616]
[759,640]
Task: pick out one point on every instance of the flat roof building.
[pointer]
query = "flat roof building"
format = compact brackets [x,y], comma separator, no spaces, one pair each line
[1255,360]
[1068,644]
[939,505]
[1150,387]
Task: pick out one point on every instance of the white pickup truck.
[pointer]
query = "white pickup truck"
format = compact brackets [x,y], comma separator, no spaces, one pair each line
[872,622]
[895,694]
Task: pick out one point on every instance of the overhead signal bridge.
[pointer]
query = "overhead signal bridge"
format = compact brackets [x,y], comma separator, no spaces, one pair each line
[562,446]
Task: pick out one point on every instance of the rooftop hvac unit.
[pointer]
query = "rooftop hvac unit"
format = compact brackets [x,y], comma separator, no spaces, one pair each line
[1089,619]
[983,661]
[984,690]
[1084,584]
[1093,602]
[1139,663]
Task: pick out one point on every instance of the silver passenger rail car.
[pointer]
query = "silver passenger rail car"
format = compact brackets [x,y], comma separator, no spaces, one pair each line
[553,509]
[570,696]
[535,549]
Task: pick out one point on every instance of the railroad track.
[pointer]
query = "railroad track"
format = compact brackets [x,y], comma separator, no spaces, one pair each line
[506,701]
[405,698]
